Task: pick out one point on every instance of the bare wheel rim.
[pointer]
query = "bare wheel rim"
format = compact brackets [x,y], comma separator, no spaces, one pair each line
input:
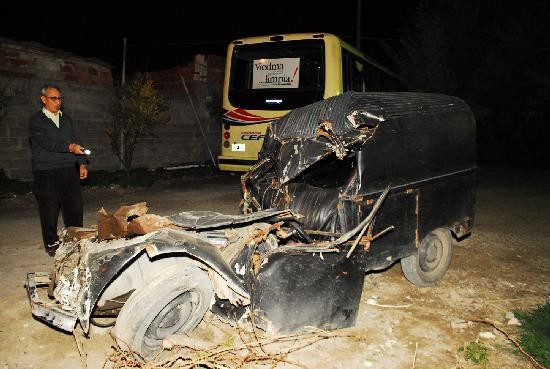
[430,255]
[172,318]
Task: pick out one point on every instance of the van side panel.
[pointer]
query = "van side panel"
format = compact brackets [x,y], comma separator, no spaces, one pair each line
[420,144]
[293,290]
[417,147]
[399,210]
[429,153]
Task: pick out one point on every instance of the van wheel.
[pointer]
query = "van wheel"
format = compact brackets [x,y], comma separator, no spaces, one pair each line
[173,303]
[430,262]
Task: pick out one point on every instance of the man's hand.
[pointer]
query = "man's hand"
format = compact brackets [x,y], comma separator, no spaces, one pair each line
[83,171]
[76,149]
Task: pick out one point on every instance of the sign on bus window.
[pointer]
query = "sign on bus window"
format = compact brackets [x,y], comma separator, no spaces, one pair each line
[276,73]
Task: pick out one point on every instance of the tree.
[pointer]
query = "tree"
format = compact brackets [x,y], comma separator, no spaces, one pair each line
[496,58]
[138,110]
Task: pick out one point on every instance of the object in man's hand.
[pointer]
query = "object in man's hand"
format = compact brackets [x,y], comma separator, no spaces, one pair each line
[86,151]
[73,147]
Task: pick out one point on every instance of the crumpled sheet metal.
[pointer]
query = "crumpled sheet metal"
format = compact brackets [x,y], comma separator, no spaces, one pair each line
[46,310]
[307,135]
[294,141]
[366,108]
[303,122]
[200,220]
[102,261]
[99,263]
[299,154]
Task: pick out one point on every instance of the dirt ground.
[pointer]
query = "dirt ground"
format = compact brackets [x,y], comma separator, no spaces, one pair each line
[502,267]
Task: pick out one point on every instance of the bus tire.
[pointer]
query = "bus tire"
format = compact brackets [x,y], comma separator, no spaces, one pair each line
[173,303]
[430,262]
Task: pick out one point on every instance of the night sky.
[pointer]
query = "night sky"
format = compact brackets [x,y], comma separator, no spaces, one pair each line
[164,34]
[495,55]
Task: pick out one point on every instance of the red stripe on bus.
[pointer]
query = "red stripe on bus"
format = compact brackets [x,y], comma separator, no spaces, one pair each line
[241,115]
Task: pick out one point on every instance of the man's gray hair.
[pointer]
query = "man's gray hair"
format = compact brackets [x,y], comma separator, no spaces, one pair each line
[44,89]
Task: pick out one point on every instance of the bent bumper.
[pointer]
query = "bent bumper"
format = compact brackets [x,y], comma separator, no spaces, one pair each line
[48,312]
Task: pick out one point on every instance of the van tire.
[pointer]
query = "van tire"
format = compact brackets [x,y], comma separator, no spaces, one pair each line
[173,303]
[430,262]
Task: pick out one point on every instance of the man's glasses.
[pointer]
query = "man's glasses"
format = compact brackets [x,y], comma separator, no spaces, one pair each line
[55,98]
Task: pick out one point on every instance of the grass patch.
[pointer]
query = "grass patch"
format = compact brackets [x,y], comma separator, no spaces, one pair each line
[535,336]
[475,352]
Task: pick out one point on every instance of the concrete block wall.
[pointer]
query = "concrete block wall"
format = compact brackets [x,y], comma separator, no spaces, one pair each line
[31,60]
[88,87]
[86,84]
[181,140]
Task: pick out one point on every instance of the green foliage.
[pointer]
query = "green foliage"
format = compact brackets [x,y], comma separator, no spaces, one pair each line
[138,110]
[476,352]
[535,337]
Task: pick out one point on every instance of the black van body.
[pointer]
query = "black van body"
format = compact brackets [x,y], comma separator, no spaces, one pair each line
[421,145]
[331,160]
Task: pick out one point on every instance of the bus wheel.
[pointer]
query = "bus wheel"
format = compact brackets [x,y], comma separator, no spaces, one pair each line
[430,262]
[173,303]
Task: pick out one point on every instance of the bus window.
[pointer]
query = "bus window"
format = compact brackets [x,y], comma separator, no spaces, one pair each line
[354,73]
[277,75]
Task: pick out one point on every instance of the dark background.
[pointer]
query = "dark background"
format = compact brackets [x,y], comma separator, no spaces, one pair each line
[493,54]
[162,34]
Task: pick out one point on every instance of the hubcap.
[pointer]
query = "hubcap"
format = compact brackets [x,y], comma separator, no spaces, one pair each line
[172,319]
[430,255]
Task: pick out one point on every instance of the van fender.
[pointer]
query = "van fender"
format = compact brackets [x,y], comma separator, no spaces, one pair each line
[101,267]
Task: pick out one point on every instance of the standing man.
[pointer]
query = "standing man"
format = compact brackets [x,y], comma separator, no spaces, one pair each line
[58,164]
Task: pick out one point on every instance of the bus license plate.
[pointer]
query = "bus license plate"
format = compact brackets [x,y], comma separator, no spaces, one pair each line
[238,147]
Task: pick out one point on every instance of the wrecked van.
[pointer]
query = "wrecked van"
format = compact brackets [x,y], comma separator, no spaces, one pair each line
[344,186]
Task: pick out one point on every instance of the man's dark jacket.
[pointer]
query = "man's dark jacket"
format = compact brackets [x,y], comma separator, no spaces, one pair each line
[50,145]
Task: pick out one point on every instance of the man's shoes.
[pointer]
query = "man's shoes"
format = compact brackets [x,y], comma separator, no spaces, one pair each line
[51,249]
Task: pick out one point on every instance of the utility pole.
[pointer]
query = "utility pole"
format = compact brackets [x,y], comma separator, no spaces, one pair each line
[123,61]
[122,82]
[358,25]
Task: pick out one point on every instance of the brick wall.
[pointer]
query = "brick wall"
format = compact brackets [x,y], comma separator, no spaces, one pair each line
[193,133]
[86,83]
[88,87]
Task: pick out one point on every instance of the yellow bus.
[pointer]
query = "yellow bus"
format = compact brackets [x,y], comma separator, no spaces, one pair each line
[267,76]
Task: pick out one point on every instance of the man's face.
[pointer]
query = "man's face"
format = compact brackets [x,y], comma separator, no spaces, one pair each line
[53,100]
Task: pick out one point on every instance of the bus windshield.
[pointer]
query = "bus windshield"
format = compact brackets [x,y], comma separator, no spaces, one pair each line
[277,75]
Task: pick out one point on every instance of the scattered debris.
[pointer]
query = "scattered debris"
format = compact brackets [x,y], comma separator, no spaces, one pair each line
[78,233]
[460,324]
[487,335]
[373,301]
[245,349]
[512,320]
[415,351]
[116,225]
